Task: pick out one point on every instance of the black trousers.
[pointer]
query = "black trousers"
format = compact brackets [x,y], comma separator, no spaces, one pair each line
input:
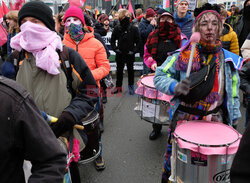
[121,60]
[103,87]
[74,172]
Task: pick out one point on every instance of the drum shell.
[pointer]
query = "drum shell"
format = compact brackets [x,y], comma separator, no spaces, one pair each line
[215,171]
[92,148]
[153,110]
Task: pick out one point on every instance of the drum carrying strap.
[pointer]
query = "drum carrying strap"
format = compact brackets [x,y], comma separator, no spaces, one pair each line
[198,112]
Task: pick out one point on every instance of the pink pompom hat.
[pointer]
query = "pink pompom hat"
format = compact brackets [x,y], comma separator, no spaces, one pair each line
[74,11]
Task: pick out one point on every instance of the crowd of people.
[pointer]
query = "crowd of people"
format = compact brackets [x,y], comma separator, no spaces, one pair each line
[61,67]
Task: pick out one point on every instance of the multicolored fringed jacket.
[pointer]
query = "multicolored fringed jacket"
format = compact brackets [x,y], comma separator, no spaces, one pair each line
[166,77]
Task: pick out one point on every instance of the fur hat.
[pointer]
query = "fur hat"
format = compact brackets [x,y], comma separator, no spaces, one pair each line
[161,11]
[215,9]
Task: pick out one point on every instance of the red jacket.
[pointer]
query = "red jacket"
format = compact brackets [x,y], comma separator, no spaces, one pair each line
[93,53]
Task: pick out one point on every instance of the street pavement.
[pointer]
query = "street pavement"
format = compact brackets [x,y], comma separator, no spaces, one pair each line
[130,157]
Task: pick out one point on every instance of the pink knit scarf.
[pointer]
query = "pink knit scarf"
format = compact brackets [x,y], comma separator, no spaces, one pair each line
[42,43]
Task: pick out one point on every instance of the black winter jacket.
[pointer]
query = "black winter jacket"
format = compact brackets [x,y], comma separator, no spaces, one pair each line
[245,77]
[240,171]
[128,40]
[242,30]
[100,29]
[145,28]
[25,135]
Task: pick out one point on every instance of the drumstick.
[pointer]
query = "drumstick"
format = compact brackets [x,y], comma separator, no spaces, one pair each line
[79,127]
[53,119]
[195,38]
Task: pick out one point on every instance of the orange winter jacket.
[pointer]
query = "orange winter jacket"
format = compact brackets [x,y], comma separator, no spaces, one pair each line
[93,53]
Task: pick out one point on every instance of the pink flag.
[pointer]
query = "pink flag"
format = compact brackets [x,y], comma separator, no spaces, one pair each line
[78,3]
[11,6]
[130,8]
[18,4]
[5,8]
[120,6]
[1,12]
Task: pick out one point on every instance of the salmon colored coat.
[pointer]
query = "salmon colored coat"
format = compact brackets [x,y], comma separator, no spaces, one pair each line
[93,53]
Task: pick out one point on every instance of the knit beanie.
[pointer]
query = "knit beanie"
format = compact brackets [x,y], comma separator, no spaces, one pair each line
[180,1]
[150,13]
[74,11]
[103,18]
[38,10]
[167,14]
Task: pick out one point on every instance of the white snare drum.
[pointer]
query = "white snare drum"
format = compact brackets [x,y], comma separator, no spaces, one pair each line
[204,152]
[152,106]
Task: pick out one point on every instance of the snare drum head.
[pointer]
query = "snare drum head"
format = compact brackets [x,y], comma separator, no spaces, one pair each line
[148,81]
[209,135]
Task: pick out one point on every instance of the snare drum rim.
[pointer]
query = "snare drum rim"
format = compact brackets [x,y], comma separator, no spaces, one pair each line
[146,84]
[206,145]
[86,121]
[91,159]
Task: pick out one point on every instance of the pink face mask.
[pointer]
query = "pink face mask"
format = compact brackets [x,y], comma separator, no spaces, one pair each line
[72,20]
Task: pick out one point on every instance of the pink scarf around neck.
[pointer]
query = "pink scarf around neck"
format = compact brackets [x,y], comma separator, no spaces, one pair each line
[42,43]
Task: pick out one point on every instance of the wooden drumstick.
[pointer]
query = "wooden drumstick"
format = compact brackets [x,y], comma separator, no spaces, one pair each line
[53,119]
[79,127]
[195,38]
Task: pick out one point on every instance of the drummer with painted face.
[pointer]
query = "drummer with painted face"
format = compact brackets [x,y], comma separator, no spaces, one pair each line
[160,42]
[221,102]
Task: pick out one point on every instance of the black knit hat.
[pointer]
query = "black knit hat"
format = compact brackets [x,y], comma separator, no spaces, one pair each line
[39,10]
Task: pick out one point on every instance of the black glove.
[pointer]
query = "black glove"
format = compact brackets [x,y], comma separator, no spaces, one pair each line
[130,53]
[65,123]
[117,51]
[182,88]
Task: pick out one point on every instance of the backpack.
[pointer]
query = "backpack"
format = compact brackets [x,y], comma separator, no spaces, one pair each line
[17,57]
